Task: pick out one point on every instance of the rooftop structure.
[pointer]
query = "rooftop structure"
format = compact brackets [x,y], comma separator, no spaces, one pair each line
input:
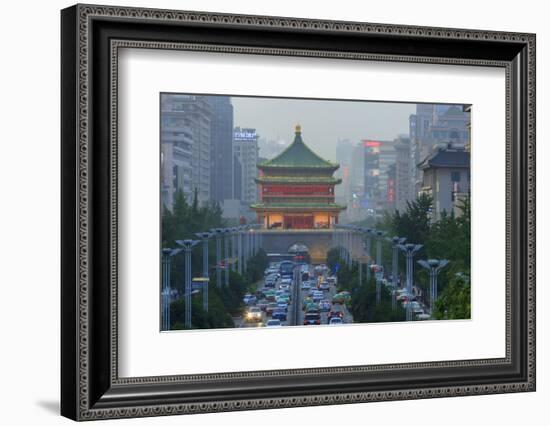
[297,189]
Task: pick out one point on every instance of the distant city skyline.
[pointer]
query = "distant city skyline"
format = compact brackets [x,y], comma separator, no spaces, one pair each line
[323,121]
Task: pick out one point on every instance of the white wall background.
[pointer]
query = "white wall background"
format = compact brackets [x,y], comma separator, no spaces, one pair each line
[29,211]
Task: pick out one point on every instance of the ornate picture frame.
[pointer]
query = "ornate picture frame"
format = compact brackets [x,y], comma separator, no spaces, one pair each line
[90,38]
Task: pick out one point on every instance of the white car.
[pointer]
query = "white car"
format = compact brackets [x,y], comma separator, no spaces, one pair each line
[273,323]
[336,321]
[305,285]
[254,314]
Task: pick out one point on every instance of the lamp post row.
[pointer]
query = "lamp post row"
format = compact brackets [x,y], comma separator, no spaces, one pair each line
[241,242]
[344,240]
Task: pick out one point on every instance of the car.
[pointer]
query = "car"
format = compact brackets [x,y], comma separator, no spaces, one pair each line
[422,317]
[314,307]
[305,285]
[254,314]
[249,299]
[312,318]
[341,298]
[270,308]
[262,304]
[335,314]
[286,280]
[318,296]
[324,286]
[279,314]
[270,295]
[325,305]
[311,306]
[284,298]
[283,306]
[336,320]
[273,323]
[284,286]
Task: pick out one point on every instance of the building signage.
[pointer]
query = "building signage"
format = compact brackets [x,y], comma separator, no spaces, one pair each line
[371,144]
[245,135]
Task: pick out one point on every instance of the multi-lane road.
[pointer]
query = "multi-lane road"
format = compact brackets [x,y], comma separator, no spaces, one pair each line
[295,310]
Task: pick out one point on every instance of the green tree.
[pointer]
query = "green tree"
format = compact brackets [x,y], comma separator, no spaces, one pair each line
[365,309]
[455,301]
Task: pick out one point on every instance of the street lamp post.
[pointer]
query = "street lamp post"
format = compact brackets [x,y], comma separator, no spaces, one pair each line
[246,246]
[433,266]
[368,248]
[187,247]
[378,274]
[395,241]
[217,234]
[350,246]
[240,249]
[410,250]
[226,237]
[338,239]
[204,236]
[234,249]
[167,255]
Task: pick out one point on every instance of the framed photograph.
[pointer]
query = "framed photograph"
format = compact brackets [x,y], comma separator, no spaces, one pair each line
[263,212]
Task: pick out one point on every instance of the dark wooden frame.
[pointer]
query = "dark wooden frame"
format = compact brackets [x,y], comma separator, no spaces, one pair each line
[90,387]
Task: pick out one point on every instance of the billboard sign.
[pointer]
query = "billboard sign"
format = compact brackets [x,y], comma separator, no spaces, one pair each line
[245,134]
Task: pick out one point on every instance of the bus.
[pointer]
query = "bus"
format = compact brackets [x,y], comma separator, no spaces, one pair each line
[286,269]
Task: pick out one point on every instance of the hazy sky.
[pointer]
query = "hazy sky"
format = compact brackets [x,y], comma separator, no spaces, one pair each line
[323,122]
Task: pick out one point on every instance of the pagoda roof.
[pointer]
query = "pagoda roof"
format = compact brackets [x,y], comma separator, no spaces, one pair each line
[298,155]
[446,157]
[329,180]
[298,206]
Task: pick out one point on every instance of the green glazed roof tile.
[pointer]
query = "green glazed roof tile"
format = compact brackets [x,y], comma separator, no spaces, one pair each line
[298,155]
[299,179]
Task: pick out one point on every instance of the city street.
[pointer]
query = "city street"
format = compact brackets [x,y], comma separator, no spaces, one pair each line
[296,309]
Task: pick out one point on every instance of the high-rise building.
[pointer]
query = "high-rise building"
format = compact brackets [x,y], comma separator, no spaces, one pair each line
[344,153]
[432,125]
[379,156]
[185,147]
[221,148]
[270,148]
[403,188]
[446,178]
[391,188]
[355,184]
[245,149]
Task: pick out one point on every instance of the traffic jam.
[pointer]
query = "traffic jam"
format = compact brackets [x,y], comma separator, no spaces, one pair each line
[294,294]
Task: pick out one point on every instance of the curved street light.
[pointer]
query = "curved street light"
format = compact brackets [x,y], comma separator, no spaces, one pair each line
[167,254]
[395,242]
[410,250]
[434,266]
[187,247]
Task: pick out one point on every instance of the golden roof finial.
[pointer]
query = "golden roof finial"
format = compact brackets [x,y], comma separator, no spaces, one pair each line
[298,128]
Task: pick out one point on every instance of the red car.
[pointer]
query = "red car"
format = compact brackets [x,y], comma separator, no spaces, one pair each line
[335,314]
